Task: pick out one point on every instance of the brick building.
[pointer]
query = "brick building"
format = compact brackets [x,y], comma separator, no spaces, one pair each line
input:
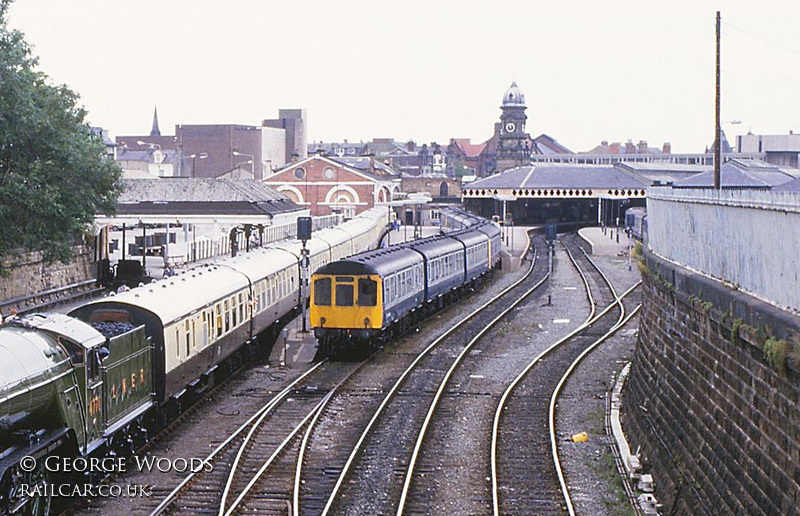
[213,150]
[327,186]
[440,188]
[510,145]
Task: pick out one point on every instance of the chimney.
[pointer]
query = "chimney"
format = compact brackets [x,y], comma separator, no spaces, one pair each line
[667,148]
[410,145]
[630,148]
[642,147]
[372,162]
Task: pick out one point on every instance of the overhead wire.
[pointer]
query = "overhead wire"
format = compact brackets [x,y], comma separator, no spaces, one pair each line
[762,38]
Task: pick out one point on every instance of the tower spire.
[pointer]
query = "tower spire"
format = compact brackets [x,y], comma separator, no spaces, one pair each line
[155,131]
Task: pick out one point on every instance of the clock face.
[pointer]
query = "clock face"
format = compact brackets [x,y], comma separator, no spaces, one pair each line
[510,127]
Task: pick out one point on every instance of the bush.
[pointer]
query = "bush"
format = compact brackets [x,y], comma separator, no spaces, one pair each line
[776,353]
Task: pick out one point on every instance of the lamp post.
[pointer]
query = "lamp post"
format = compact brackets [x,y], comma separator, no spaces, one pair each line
[252,159]
[151,145]
[193,157]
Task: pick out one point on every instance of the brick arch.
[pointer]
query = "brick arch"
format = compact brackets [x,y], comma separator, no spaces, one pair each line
[341,194]
[292,193]
[384,194]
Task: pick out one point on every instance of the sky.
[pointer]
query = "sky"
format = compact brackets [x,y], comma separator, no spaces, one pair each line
[427,70]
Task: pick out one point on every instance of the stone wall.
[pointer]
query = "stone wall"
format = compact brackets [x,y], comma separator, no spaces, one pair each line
[30,274]
[717,421]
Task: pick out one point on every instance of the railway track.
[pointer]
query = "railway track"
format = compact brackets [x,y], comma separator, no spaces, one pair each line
[357,444]
[241,452]
[371,479]
[254,472]
[527,476]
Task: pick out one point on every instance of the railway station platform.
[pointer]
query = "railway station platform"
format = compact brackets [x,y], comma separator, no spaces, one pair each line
[606,241]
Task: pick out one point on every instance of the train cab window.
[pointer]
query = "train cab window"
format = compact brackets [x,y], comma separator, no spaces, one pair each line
[322,292]
[75,351]
[344,295]
[367,292]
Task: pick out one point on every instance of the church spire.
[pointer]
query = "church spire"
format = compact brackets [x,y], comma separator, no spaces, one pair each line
[155,131]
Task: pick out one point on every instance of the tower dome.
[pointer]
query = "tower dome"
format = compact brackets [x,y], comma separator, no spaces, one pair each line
[513,96]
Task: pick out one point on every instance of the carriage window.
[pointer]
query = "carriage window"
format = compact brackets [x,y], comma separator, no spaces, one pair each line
[322,292]
[188,334]
[227,317]
[367,292]
[344,295]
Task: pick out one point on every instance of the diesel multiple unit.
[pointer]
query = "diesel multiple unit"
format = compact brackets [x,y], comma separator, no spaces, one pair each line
[363,300]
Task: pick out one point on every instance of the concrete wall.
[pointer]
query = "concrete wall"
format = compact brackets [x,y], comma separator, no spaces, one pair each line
[749,238]
[273,149]
[718,425]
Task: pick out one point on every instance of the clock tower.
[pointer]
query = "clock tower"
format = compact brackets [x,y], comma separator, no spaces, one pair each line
[512,148]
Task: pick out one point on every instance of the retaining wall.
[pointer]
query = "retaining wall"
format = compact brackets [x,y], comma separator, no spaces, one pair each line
[718,424]
[30,274]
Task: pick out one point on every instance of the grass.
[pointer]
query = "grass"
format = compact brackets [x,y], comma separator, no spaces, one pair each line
[606,469]
[776,353]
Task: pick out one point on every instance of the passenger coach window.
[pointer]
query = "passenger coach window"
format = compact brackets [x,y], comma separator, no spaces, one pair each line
[344,295]
[322,292]
[367,292]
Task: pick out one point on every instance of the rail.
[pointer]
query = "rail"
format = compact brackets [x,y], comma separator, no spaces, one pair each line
[50,298]
[400,381]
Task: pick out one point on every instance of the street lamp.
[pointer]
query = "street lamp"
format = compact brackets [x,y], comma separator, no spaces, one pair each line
[193,157]
[252,159]
[151,145]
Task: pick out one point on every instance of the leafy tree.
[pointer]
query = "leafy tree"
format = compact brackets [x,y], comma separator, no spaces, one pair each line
[54,173]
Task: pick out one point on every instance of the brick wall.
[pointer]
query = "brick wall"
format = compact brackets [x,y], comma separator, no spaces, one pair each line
[718,424]
[32,274]
[314,186]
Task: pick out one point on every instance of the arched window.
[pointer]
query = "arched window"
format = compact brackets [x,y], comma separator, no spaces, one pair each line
[443,190]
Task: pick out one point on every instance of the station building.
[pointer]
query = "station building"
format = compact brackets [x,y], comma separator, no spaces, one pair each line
[557,193]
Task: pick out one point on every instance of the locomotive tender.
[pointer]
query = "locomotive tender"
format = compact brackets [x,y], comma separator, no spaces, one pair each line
[93,383]
[362,301]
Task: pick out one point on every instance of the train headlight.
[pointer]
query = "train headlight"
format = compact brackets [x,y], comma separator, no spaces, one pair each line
[322,321]
[366,322]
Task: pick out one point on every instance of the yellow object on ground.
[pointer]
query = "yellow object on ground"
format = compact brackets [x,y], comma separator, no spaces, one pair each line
[580,438]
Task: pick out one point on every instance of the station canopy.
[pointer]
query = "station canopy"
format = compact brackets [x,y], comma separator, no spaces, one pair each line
[560,181]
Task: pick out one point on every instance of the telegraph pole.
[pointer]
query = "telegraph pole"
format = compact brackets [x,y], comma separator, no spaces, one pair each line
[717,128]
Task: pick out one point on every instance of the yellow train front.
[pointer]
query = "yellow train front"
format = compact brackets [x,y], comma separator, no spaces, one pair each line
[354,301]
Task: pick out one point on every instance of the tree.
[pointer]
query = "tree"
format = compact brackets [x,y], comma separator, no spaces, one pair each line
[54,173]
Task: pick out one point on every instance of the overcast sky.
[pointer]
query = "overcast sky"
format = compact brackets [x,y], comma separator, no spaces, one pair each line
[426,70]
